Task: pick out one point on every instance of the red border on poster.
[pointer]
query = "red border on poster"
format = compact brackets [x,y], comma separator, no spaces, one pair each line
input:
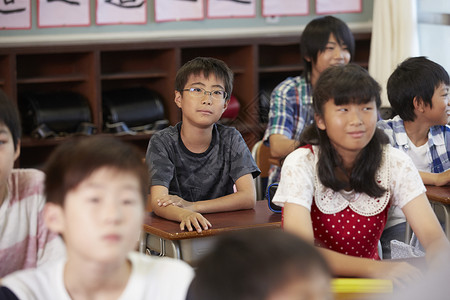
[284,14]
[21,28]
[177,19]
[334,11]
[119,22]
[63,25]
[230,17]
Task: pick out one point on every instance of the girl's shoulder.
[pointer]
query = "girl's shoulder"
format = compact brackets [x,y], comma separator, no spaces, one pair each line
[305,154]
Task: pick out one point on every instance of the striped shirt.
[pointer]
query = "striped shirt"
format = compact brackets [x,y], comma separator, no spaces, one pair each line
[25,242]
[291,111]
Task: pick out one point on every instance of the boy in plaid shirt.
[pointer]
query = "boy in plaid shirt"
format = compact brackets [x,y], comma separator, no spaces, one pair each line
[418,91]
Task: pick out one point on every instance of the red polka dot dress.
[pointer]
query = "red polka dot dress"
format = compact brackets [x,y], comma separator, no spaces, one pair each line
[346,221]
[348,232]
[349,222]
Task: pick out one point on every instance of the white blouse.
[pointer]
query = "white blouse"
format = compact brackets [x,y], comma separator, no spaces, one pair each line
[300,184]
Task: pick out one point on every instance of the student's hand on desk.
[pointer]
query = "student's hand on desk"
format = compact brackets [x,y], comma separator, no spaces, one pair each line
[191,220]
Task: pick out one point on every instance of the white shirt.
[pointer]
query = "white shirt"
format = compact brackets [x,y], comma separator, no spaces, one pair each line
[299,183]
[419,156]
[156,278]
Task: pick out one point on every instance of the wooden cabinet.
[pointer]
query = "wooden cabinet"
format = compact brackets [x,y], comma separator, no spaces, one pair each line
[90,69]
[151,68]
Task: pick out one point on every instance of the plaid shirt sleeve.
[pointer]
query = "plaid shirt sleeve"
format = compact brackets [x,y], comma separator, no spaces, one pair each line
[439,146]
[438,142]
[290,108]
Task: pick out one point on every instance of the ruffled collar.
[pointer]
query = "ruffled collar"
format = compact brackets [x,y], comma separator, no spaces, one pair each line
[329,201]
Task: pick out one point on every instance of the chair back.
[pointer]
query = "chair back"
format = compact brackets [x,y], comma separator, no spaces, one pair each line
[261,155]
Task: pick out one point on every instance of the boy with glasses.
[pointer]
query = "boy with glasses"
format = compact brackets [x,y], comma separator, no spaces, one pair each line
[199,166]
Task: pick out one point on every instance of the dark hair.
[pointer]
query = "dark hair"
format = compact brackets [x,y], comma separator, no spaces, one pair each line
[205,66]
[9,116]
[346,84]
[252,264]
[414,77]
[315,37]
[76,159]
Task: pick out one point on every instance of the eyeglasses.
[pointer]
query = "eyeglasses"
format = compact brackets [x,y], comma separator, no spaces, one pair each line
[200,93]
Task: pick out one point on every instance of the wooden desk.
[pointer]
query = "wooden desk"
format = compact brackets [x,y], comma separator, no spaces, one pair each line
[439,196]
[165,236]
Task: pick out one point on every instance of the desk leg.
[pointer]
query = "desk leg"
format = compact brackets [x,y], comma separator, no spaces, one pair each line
[175,248]
[173,244]
[445,208]
[143,242]
[163,246]
[408,233]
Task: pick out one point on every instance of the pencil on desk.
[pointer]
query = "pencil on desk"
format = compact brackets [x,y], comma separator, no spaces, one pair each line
[361,286]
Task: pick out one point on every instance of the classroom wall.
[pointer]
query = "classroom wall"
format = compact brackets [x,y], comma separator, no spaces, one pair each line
[359,21]
[434,30]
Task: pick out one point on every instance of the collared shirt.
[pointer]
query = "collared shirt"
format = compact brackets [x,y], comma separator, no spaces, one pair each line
[291,111]
[438,152]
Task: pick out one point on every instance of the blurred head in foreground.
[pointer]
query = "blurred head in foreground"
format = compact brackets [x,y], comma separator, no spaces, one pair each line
[261,264]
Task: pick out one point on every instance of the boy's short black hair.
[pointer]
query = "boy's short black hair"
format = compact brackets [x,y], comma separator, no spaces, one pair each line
[414,77]
[315,37]
[252,264]
[205,66]
[9,116]
[76,159]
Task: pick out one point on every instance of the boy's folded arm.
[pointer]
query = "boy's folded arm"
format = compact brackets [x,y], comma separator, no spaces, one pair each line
[243,198]
[437,179]
[188,219]
[170,212]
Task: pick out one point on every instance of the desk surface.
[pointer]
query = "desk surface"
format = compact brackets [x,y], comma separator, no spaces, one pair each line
[258,217]
[438,193]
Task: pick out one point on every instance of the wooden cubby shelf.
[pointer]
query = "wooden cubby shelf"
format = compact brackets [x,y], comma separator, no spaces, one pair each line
[91,68]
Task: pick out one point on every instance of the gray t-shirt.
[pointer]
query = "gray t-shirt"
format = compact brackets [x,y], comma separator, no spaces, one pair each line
[199,176]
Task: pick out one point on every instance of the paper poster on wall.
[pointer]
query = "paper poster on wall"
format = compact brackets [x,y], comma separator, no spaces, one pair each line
[324,7]
[285,8]
[15,14]
[61,13]
[231,9]
[111,12]
[178,10]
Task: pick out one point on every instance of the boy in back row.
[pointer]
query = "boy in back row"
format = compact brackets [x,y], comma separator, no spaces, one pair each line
[418,91]
[199,166]
[96,188]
